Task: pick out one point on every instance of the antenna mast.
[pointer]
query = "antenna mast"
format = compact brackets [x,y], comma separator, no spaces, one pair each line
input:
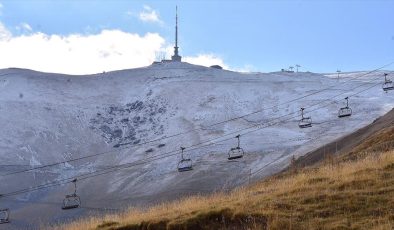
[176,30]
[176,56]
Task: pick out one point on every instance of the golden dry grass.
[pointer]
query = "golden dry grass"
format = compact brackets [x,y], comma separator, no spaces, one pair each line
[379,142]
[343,195]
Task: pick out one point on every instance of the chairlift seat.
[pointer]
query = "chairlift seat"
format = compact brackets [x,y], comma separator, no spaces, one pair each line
[71,201]
[388,85]
[305,122]
[4,216]
[235,153]
[185,165]
[344,112]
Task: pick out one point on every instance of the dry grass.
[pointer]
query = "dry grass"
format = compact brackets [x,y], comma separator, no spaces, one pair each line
[346,195]
[381,141]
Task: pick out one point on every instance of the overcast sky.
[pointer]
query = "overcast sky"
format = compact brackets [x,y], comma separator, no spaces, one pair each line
[89,36]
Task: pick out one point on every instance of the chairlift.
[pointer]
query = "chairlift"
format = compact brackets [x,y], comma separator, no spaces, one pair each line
[4,215]
[305,122]
[72,200]
[185,164]
[345,111]
[236,152]
[388,84]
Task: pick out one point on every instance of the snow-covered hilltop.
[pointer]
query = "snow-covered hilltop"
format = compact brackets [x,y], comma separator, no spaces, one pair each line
[47,118]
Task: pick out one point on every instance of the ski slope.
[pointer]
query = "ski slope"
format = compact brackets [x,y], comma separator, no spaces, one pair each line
[47,118]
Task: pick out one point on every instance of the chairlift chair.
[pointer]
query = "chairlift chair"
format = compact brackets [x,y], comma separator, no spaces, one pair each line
[4,216]
[236,152]
[345,111]
[72,200]
[388,84]
[185,164]
[305,122]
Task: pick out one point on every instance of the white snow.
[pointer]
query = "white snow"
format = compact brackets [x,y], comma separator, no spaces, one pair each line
[47,118]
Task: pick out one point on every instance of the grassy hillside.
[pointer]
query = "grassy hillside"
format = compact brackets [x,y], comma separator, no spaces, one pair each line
[351,191]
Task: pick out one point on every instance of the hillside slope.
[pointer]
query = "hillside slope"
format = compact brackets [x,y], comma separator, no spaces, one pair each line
[346,192]
[49,118]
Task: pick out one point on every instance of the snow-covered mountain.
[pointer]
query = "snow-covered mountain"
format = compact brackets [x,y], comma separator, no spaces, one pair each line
[47,118]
